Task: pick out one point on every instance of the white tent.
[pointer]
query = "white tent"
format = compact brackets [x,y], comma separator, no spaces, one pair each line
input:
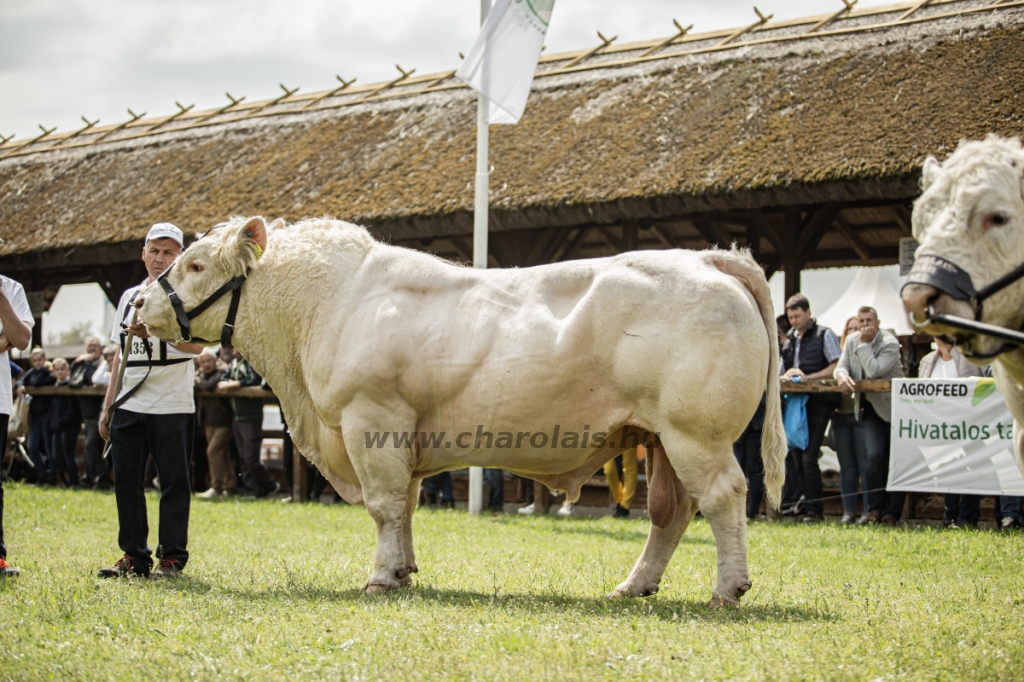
[876,287]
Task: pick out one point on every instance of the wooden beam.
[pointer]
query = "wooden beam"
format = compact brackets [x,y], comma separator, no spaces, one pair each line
[581,234]
[610,237]
[754,241]
[814,229]
[661,233]
[791,262]
[713,233]
[630,234]
[903,218]
[846,229]
[764,224]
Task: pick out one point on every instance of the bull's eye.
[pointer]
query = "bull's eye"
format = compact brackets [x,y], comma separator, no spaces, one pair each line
[195,267]
[996,220]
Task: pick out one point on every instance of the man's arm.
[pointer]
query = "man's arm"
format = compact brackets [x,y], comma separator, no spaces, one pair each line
[880,366]
[193,348]
[16,332]
[108,399]
[823,374]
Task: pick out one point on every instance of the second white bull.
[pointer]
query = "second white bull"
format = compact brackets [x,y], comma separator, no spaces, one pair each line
[366,343]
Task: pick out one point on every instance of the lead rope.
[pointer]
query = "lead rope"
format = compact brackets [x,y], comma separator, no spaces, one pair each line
[120,377]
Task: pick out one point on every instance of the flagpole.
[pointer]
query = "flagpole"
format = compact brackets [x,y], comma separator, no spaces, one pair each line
[480,208]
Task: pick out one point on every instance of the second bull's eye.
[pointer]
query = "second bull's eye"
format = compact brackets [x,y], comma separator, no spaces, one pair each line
[195,267]
[996,220]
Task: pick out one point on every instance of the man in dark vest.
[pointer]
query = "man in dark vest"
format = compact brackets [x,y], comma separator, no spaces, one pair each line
[811,353]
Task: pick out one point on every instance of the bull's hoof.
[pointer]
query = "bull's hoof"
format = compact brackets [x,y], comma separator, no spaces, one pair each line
[413,568]
[379,588]
[402,572]
[625,590]
[721,602]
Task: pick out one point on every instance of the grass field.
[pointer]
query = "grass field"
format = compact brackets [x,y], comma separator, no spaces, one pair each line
[273,591]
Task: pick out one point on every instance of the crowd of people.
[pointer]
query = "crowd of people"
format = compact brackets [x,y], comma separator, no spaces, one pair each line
[857,424]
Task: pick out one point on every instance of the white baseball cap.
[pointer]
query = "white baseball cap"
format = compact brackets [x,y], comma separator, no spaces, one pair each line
[165,231]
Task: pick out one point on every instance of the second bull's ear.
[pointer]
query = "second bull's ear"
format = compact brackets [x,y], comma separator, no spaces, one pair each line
[254,235]
[930,173]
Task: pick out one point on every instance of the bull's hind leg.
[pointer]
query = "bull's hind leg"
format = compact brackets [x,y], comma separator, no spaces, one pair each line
[410,508]
[711,474]
[663,484]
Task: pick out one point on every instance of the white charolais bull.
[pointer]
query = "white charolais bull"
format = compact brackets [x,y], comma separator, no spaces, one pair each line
[970,223]
[359,338]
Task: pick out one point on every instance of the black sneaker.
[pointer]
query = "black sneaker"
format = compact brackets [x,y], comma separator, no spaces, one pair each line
[6,571]
[168,568]
[122,568]
[620,512]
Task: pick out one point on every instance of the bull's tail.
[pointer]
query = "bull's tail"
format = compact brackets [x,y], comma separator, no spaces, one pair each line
[739,264]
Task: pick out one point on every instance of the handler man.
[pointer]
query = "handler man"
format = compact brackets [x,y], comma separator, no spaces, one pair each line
[15,332]
[158,419]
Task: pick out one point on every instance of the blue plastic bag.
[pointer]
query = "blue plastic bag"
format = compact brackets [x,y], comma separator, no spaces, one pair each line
[794,419]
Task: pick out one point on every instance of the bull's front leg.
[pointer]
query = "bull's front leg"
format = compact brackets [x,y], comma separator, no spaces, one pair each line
[385,472]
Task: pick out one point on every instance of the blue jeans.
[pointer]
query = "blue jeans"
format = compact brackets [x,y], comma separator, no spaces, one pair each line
[61,447]
[748,453]
[848,434]
[38,441]
[876,473]
[961,508]
[496,478]
[440,483]
[1009,506]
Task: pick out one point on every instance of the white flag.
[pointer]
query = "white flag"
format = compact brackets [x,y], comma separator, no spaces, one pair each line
[504,56]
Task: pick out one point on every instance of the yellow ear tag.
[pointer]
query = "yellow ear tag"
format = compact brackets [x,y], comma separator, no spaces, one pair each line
[257,250]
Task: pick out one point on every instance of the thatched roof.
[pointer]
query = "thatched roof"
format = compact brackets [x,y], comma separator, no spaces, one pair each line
[836,108]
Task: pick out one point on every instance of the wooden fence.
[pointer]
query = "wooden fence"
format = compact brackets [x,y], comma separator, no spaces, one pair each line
[542,495]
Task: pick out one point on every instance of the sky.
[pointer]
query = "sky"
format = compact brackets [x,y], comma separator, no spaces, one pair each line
[63,59]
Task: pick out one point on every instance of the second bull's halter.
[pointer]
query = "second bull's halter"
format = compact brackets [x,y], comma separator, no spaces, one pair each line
[185,317]
[950,279]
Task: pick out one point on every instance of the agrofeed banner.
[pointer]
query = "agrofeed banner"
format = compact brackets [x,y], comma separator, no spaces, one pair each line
[952,436]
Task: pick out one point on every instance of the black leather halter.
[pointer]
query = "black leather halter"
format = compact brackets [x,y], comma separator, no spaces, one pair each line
[950,279]
[185,317]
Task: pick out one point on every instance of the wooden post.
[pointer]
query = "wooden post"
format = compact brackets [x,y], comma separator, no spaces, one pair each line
[300,478]
[630,234]
[790,257]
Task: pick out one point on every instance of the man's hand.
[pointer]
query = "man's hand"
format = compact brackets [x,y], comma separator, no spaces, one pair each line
[20,390]
[5,345]
[846,384]
[104,431]
[868,333]
[139,330]
[228,385]
[794,372]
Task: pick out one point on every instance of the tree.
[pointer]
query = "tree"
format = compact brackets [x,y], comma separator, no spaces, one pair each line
[75,336]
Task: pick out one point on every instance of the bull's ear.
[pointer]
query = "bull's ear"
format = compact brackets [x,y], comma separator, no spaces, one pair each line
[254,233]
[277,224]
[930,173]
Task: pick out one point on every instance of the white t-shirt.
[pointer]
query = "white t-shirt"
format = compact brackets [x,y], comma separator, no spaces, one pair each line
[169,388]
[16,295]
[945,369]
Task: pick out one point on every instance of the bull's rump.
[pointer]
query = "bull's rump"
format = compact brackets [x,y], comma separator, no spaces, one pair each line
[646,339]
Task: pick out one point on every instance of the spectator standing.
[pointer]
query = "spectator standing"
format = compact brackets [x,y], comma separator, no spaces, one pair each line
[247,425]
[946,362]
[848,438]
[154,414]
[90,406]
[214,417]
[747,450]
[65,423]
[873,353]
[39,410]
[440,484]
[15,332]
[811,353]
[496,479]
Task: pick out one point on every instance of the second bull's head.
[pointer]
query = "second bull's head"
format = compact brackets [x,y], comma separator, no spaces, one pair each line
[970,223]
[224,254]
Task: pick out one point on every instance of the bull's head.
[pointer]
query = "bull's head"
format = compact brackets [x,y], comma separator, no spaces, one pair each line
[970,218]
[222,254]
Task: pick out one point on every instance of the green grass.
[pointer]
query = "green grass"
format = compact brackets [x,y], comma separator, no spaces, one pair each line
[273,591]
